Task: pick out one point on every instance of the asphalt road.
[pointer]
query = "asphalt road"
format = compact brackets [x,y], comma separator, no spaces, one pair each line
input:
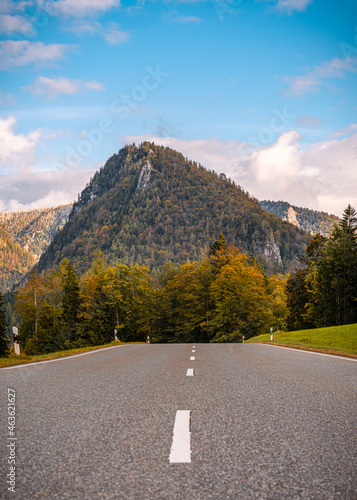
[265,423]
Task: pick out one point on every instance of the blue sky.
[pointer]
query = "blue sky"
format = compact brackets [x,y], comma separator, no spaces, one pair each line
[264,91]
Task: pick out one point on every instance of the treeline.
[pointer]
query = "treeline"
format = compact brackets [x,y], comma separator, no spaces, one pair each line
[324,293]
[218,299]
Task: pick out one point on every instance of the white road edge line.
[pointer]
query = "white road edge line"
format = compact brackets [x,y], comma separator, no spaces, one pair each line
[24,365]
[192,358]
[180,452]
[189,372]
[345,358]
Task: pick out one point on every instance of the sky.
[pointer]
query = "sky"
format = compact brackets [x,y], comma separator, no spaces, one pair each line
[262,90]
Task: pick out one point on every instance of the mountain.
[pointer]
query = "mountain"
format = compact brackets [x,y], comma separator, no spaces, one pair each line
[24,237]
[34,229]
[15,262]
[150,205]
[311,221]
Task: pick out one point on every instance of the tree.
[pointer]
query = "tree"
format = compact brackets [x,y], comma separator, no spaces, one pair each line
[220,244]
[240,299]
[328,285]
[28,304]
[297,299]
[71,299]
[186,303]
[4,341]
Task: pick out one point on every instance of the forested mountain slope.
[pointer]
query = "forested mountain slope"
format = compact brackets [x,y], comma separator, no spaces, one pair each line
[34,229]
[24,235]
[311,221]
[15,262]
[149,205]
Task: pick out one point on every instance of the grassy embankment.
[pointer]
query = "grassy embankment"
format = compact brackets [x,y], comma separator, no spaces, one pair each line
[333,339]
[25,358]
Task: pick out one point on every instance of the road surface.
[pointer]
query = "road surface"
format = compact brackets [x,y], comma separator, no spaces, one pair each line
[227,421]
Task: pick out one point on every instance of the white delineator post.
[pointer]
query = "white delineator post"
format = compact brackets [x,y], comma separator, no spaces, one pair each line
[271,333]
[15,332]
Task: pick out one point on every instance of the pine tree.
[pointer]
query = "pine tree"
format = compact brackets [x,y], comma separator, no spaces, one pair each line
[343,252]
[220,244]
[4,345]
[71,298]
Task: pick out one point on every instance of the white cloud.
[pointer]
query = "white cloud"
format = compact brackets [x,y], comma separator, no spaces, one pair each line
[23,53]
[309,121]
[16,149]
[310,82]
[175,17]
[114,36]
[51,87]
[321,177]
[7,6]
[41,189]
[289,6]
[111,31]
[14,24]
[28,180]
[81,8]
[277,165]
[250,111]
[350,129]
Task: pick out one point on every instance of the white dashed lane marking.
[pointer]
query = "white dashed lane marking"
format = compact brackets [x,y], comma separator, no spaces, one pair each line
[181,440]
[189,372]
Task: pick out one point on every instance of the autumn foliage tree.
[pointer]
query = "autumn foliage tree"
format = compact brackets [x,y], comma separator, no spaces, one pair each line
[218,299]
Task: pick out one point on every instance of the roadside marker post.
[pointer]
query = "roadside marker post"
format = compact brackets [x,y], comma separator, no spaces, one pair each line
[271,334]
[15,332]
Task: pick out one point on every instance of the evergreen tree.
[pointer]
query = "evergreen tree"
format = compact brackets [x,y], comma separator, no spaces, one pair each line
[71,299]
[297,299]
[325,293]
[342,250]
[4,341]
[220,244]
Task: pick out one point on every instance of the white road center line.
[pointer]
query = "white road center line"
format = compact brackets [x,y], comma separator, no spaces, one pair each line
[189,372]
[181,440]
[193,350]
[193,347]
[192,358]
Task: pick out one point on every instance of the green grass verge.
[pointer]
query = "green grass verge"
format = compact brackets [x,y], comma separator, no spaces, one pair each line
[24,358]
[333,339]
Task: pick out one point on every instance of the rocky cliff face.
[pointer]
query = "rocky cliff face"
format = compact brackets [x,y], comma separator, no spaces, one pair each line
[144,178]
[34,229]
[291,217]
[311,221]
[24,236]
[270,250]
